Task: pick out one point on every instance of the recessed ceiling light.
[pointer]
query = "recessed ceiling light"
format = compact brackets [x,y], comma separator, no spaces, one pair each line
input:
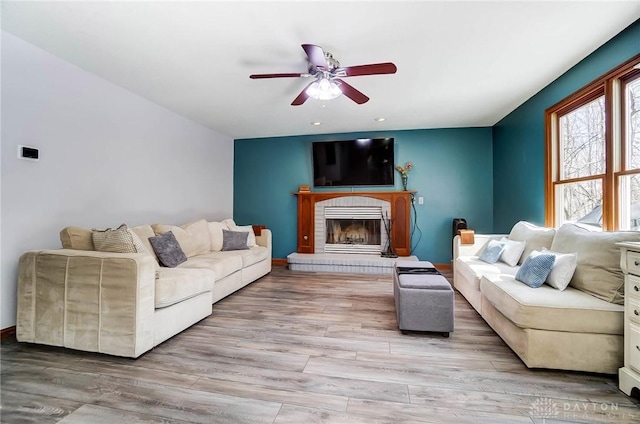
[380,119]
[316,123]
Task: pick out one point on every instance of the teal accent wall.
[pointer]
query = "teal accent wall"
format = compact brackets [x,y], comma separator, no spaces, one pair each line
[453,171]
[518,139]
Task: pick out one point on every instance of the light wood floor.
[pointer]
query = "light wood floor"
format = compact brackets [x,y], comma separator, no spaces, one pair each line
[306,348]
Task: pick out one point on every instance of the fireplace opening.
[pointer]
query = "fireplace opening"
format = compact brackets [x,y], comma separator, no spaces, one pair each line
[353,231]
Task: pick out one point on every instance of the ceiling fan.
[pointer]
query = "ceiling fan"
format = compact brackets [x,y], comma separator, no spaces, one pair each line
[327,73]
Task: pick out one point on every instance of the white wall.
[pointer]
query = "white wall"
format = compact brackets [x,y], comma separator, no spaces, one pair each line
[107,156]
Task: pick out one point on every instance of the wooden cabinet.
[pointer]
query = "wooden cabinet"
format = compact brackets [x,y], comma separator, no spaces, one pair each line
[629,375]
[400,203]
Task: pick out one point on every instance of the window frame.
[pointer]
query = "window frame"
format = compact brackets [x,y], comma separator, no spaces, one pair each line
[612,86]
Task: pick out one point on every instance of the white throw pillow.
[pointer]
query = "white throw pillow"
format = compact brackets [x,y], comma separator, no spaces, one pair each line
[215,235]
[512,251]
[229,222]
[251,238]
[563,269]
[534,237]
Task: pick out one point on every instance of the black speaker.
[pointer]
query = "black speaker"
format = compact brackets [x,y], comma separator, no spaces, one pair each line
[459,224]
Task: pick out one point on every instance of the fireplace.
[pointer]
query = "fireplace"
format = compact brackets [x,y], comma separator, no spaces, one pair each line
[353,230]
[393,205]
[350,224]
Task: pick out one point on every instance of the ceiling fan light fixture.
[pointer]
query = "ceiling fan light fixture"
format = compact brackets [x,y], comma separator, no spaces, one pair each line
[324,89]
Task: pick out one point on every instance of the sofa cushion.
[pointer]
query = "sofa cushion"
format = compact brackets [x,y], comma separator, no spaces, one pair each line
[192,237]
[144,232]
[598,269]
[77,238]
[546,308]
[254,255]
[168,250]
[220,263]
[174,285]
[215,235]
[535,238]
[472,269]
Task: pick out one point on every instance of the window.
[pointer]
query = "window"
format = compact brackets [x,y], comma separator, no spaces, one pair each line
[593,153]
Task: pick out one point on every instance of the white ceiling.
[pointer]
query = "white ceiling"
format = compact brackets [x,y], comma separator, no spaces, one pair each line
[460,64]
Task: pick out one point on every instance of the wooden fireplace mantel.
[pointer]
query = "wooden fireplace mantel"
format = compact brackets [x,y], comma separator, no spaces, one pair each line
[400,202]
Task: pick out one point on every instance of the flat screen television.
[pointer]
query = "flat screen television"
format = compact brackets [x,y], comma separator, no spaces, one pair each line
[357,162]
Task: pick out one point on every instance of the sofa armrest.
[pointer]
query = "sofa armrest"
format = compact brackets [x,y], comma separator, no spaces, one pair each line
[264,239]
[480,241]
[91,301]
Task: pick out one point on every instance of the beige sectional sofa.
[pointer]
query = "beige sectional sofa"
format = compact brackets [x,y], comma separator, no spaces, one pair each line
[126,303]
[579,328]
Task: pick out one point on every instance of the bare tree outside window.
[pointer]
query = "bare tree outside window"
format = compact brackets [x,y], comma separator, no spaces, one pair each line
[583,154]
[630,184]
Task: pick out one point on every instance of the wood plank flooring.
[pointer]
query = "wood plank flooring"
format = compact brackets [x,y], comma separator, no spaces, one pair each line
[297,347]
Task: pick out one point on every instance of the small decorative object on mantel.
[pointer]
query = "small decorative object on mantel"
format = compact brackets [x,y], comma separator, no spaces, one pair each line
[304,188]
[403,172]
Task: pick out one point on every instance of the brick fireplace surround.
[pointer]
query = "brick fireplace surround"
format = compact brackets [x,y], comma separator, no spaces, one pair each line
[309,255]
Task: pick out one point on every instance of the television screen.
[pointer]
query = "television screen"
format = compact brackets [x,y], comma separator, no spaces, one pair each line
[363,161]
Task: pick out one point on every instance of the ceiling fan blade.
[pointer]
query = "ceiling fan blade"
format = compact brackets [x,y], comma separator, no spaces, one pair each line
[261,76]
[351,92]
[316,55]
[302,97]
[371,69]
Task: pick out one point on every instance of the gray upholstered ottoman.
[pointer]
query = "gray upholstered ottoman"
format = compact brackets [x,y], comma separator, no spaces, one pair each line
[424,298]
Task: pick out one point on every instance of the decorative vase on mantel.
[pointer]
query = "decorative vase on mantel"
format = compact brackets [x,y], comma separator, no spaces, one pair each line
[403,170]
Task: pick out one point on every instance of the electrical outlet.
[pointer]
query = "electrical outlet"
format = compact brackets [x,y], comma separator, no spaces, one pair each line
[421,200]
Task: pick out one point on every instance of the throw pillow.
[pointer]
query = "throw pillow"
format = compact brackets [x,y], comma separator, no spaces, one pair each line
[116,241]
[193,237]
[563,269]
[251,238]
[492,252]
[77,238]
[168,250]
[512,251]
[535,269]
[144,232]
[215,235]
[137,242]
[534,237]
[229,222]
[234,240]
[598,271]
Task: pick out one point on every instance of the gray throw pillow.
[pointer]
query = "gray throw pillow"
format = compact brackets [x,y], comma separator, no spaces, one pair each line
[168,250]
[234,240]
